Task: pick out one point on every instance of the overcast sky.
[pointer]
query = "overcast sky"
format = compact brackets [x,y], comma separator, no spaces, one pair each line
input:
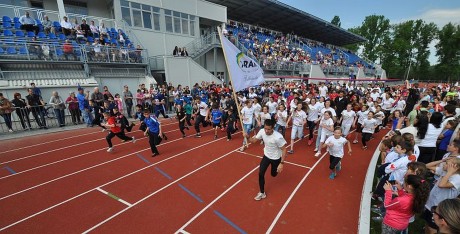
[352,13]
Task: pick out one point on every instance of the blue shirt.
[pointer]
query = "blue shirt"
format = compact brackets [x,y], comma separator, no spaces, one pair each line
[160,98]
[82,102]
[216,114]
[445,141]
[153,124]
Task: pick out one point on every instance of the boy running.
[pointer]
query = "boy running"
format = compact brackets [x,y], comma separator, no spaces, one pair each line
[216,116]
[115,130]
[153,131]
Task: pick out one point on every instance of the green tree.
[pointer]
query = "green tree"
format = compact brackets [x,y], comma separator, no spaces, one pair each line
[336,21]
[375,29]
[448,50]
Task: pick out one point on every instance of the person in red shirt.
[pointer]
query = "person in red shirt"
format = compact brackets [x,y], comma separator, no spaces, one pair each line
[115,130]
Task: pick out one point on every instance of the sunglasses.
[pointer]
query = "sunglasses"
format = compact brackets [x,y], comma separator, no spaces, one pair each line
[433,211]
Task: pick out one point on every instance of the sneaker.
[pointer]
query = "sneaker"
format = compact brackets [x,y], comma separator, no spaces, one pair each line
[197,135]
[377,219]
[355,141]
[316,150]
[133,140]
[290,151]
[228,139]
[155,154]
[242,148]
[318,154]
[260,196]
[261,142]
[310,141]
[338,167]
[110,149]
[215,137]
[332,176]
[10,130]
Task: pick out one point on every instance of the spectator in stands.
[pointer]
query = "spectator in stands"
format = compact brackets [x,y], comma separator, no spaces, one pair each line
[21,111]
[184,52]
[75,24]
[94,29]
[80,35]
[72,101]
[66,26]
[5,111]
[138,54]
[28,24]
[58,105]
[97,50]
[101,40]
[114,53]
[67,48]
[36,104]
[104,31]
[121,38]
[46,51]
[35,48]
[48,25]
[176,51]
[85,28]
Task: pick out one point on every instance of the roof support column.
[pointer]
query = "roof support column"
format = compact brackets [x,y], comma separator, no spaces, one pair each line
[61,9]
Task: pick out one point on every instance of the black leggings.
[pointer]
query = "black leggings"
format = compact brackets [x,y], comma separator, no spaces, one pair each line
[199,119]
[230,130]
[333,161]
[182,127]
[153,141]
[311,128]
[366,137]
[188,117]
[120,135]
[263,168]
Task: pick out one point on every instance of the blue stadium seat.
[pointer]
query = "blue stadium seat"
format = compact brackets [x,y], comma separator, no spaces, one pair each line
[17,25]
[7,33]
[19,33]
[1,50]
[6,19]
[57,26]
[16,19]
[113,30]
[62,37]
[90,39]
[113,41]
[30,34]
[23,50]
[7,24]
[38,22]
[41,35]
[52,36]
[11,50]
[59,52]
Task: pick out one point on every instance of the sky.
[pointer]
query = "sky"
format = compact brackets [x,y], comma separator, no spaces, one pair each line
[352,13]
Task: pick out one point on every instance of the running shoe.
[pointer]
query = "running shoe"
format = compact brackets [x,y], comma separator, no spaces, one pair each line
[110,149]
[197,135]
[318,154]
[290,151]
[133,140]
[338,167]
[260,196]
[332,176]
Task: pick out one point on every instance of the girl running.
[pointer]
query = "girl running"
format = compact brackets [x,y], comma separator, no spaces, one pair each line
[335,146]
[312,118]
[181,116]
[299,118]
[281,117]
[368,127]
[362,115]
[327,126]
[347,119]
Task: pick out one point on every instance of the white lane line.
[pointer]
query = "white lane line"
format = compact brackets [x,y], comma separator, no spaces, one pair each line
[257,156]
[61,139]
[293,193]
[113,196]
[110,182]
[76,156]
[161,189]
[85,169]
[181,229]
[66,147]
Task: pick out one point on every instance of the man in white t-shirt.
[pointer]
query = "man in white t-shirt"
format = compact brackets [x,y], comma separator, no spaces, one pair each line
[202,115]
[274,153]
[323,90]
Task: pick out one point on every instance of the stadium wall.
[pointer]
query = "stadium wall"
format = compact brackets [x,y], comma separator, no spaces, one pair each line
[185,71]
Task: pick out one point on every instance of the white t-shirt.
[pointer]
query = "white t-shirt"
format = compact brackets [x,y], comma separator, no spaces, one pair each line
[368,125]
[257,108]
[248,115]
[337,149]
[280,116]
[362,115]
[400,105]
[263,116]
[398,169]
[388,103]
[375,95]
[379,116]
[272,144]
[328,109]
[272,107]
[348,117]
[323,91]
[327,122]
[438,194]
[430,137]
[313,112]
[203,109]
[298,117]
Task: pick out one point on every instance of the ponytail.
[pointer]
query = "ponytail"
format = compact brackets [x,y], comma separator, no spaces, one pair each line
[421,189]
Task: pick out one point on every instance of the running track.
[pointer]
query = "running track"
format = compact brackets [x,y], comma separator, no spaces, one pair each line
[66,182]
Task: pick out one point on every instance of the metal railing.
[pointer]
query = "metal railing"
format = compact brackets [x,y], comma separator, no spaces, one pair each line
[196,46]
[157,62]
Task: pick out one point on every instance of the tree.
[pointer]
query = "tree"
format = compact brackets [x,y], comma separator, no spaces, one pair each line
[336,21]
[448,50]
[375,29]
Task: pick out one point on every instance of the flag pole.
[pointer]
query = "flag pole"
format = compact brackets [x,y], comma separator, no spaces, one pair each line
[231,80]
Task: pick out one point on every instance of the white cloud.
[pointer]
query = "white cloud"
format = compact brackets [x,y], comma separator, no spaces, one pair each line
[441,17]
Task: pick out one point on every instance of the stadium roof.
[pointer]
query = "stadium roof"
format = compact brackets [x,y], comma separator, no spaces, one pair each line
[275,15]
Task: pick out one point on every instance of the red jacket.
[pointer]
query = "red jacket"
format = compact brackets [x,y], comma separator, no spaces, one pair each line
[115,129]
[398,210]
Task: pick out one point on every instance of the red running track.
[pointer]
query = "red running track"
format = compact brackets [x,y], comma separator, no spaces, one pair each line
[67,182]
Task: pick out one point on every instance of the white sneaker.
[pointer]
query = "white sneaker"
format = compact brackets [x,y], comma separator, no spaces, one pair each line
[316,150]
[318,154]
[260,196]
[103,130]
[10,130]
[133,140]
[110,149]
